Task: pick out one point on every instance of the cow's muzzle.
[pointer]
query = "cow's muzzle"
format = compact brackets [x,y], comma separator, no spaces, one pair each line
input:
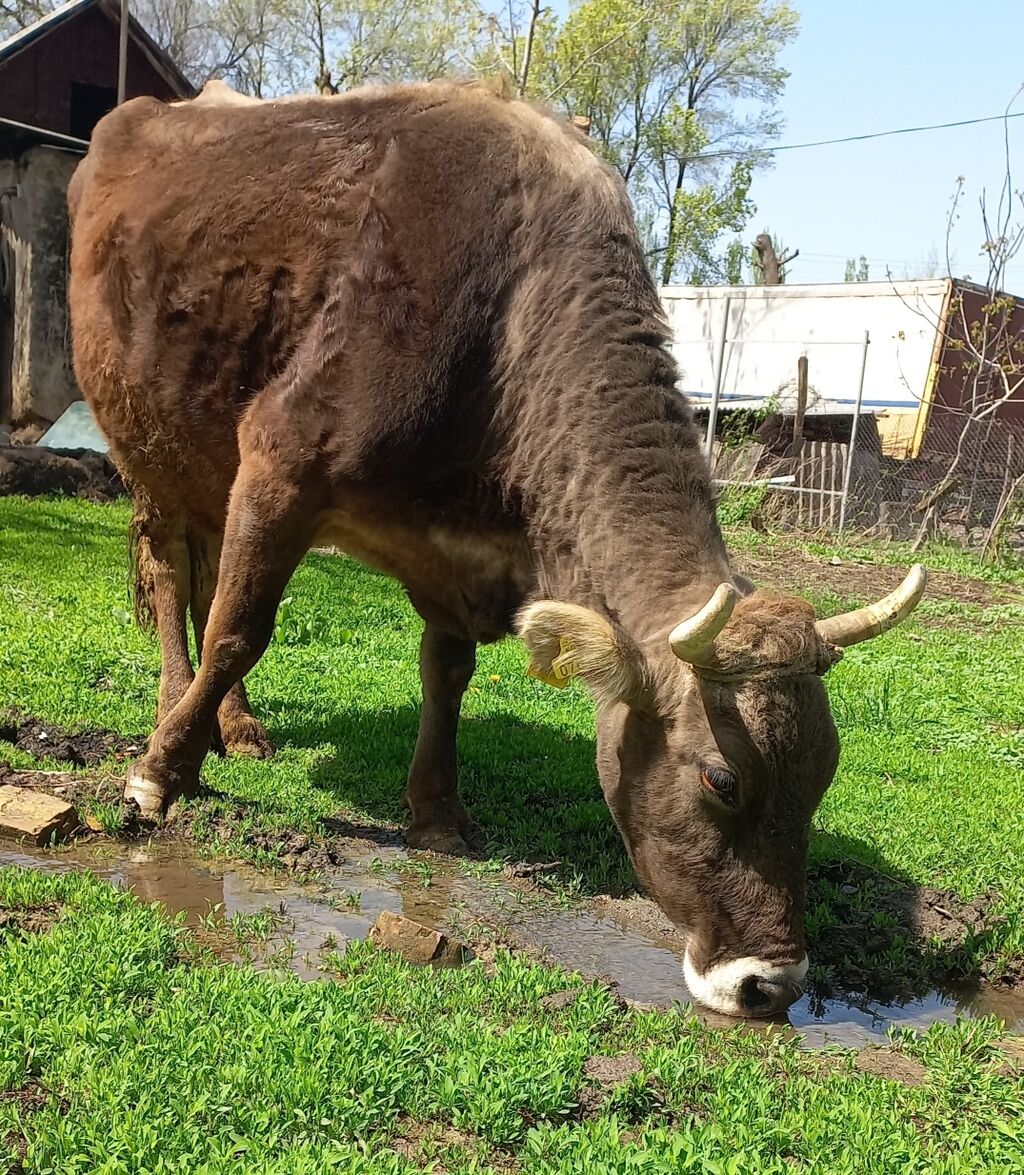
[747,987]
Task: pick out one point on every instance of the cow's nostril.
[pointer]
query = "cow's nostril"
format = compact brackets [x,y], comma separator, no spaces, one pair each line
[753,994]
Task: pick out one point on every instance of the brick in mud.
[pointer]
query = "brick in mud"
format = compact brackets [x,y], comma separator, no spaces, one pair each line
[417,943]
[35,816]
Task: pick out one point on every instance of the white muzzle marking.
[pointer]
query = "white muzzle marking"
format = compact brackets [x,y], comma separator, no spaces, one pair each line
[720,987]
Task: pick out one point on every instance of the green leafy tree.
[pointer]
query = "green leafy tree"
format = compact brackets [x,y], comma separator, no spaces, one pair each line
[680,98]
[856,271]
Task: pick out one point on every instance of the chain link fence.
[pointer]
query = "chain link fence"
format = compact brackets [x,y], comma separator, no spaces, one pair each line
[809,483]
[959,479]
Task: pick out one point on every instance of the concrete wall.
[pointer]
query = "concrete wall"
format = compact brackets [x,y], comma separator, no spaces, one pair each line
[37,383]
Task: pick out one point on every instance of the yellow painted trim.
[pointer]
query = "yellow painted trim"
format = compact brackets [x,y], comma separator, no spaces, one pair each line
[924,410]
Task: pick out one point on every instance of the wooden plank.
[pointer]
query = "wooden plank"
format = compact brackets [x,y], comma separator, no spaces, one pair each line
[833,485]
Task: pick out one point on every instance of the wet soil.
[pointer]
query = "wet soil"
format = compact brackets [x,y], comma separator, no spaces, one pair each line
[78,473]
[793,568]
[938,932]
[45,740]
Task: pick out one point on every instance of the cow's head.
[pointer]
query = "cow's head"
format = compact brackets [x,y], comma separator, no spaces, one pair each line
[715,745]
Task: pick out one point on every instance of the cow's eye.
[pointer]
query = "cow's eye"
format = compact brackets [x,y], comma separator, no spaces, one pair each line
[721,782]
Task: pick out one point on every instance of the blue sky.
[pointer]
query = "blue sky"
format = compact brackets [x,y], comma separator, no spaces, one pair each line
[864,65]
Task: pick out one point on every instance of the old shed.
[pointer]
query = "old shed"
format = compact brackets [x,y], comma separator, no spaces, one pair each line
[58,77]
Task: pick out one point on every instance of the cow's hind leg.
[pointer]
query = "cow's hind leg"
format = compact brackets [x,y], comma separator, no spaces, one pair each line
[162,579]
[239,731]
[439,821]
[269,525]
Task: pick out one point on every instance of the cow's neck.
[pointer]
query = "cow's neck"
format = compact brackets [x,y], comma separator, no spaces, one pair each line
[625,522]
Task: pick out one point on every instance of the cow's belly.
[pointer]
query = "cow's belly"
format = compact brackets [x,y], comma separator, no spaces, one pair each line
[469,582]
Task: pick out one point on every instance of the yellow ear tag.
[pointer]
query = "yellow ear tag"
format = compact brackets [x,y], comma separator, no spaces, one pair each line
[563,667]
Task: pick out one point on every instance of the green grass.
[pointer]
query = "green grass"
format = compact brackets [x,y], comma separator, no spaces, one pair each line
[121,1055]
[930,789]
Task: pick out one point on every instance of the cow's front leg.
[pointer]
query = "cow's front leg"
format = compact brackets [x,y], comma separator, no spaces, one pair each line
[267,532]
[439,821]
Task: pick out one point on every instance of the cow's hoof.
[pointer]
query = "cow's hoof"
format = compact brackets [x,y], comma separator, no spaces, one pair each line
[243,734]
[151,797]
[435,838]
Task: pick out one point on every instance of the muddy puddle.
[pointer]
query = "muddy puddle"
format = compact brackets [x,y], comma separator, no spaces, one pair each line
[304,921]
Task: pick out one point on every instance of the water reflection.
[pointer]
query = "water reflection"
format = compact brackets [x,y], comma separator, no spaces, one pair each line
[645,967]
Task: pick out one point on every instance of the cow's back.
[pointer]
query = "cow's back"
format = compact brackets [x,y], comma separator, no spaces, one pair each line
[211,238]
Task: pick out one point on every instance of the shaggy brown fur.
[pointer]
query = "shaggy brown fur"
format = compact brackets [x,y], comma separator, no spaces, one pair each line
[769,635]
[417,322]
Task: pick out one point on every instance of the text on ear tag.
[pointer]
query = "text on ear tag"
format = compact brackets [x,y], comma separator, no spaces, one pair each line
[566,664]
[563,667]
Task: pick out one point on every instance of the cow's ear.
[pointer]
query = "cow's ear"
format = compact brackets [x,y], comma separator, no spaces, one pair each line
[566,641]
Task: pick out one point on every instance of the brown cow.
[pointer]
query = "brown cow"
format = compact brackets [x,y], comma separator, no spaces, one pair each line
[416,322]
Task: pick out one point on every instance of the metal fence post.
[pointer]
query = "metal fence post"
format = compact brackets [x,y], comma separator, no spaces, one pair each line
[716,395]
[853,433]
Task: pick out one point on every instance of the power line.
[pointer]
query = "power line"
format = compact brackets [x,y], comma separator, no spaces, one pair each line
[905,130]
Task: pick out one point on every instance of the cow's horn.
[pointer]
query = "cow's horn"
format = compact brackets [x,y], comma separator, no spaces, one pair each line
[861,625]
[692,639]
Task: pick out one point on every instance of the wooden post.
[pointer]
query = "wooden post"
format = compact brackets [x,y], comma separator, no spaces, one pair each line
[581,123]
[122,56]
[772,265]
[801,404]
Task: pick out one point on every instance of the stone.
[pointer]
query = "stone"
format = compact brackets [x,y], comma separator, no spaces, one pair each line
[35,816]
[417,943]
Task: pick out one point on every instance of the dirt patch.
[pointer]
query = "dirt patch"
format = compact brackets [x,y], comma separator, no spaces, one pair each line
[609,1072]
[76,473]
[890,1066]
[45,740]
[19,921]
[428,1142]
[81,749]
[30,1099]
[871,914]
[793,569]
[297,852]
[558,1001]
[603,1076]
[1011,1049]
